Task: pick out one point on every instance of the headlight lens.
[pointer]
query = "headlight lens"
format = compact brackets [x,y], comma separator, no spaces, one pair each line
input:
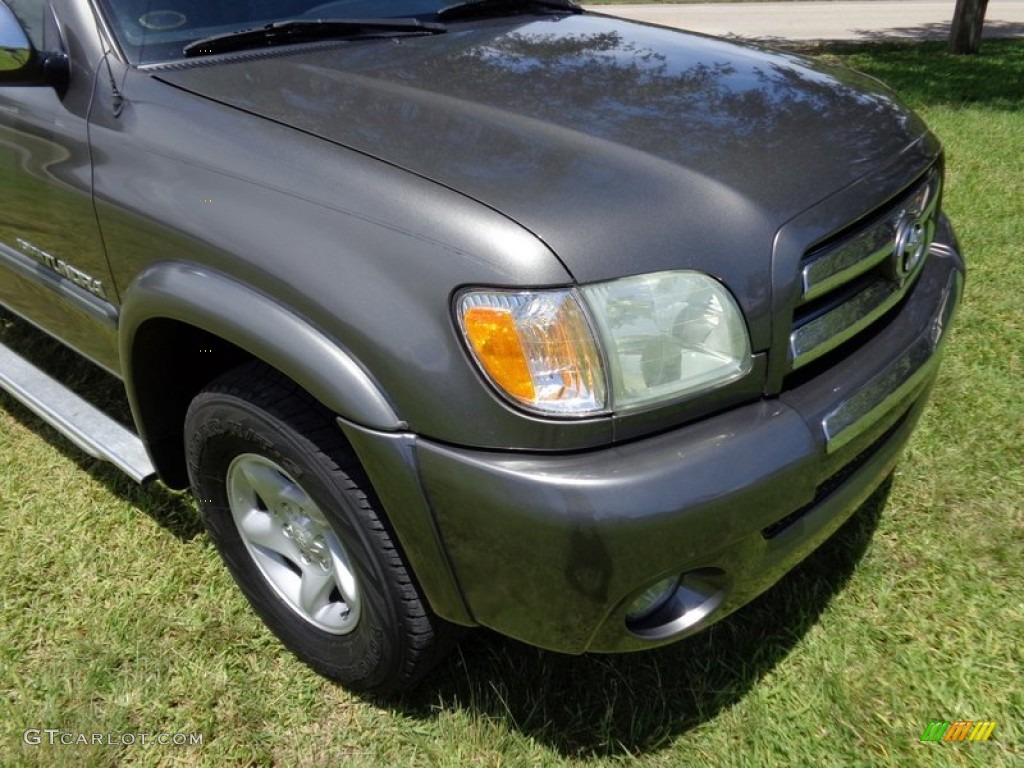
[668,334]
[664,335]
[537,348]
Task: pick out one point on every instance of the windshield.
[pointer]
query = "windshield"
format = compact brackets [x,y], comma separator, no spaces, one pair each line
[158,30]
[152,31]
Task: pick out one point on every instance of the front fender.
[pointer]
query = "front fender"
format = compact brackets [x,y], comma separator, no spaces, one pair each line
[172,306]
[230,311]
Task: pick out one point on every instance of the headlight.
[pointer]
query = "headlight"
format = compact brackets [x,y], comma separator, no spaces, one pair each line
[663,336]
[668,334]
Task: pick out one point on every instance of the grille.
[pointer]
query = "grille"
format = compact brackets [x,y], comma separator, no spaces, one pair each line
[849,282]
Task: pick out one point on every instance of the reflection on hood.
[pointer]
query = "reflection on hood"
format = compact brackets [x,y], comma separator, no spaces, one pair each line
[592,121]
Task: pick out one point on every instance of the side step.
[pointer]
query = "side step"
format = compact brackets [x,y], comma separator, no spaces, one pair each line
[74,417]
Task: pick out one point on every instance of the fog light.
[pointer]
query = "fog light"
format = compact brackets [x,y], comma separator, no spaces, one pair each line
[652,598]
[679,605]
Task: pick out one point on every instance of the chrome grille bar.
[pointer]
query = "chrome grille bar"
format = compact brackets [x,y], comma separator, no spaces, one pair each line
[825,333]
[868,247]
[830,310]
[847,262]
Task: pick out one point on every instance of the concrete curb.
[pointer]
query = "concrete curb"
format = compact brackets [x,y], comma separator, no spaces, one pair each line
[823,20]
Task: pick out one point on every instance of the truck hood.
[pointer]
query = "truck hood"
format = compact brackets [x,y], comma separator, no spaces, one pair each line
[626,148]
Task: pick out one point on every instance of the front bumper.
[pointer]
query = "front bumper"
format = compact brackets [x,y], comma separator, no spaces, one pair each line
[552,549]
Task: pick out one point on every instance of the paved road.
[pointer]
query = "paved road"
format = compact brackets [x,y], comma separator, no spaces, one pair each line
[828,20]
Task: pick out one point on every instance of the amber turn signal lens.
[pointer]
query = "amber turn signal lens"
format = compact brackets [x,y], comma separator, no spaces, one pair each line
[537,348]
[492,334]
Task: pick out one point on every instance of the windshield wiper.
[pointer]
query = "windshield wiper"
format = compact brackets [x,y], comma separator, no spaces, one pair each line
[499,7]
[307,30]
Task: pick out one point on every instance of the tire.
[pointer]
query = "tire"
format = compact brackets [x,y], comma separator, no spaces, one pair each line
[296,522]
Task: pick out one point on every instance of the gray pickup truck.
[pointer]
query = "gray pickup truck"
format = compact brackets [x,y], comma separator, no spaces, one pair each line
[492,313]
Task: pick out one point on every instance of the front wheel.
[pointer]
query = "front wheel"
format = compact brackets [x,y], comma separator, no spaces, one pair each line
[296,522]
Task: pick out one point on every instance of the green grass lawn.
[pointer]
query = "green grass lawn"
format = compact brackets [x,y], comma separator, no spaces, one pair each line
[10,61]
[117,617]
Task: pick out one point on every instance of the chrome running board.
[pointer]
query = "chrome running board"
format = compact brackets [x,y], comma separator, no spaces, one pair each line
[77,419]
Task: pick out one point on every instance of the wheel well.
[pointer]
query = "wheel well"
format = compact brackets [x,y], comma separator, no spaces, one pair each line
[171,362]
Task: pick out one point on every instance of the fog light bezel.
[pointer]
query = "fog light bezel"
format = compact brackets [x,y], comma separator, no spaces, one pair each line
[698,595]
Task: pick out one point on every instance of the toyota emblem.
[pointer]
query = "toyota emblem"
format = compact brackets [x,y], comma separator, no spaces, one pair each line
[912,238]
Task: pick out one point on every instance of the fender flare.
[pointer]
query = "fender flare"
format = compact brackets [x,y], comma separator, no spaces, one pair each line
[216,303]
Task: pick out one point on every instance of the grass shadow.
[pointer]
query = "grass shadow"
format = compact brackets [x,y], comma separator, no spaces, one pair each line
[622,705]
[173,511]
[925,74]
